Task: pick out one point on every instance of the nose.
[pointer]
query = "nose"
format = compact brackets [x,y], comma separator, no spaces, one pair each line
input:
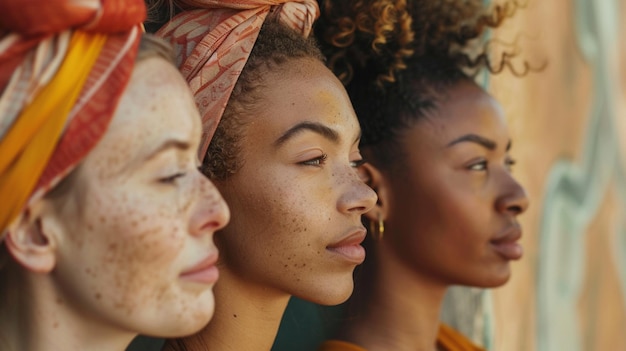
[212,213]
[513,199]
[358,197]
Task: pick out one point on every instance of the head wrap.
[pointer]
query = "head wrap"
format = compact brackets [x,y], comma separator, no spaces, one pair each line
[63,67]
[213,40]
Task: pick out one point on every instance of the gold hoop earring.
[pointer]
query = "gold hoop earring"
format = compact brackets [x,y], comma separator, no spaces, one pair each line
[378,233]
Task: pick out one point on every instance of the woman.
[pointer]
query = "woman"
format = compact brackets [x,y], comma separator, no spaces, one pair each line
[107,224]
[438,152]
[284,156]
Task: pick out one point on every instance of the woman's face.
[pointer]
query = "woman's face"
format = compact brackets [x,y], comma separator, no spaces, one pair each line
[137,252]
[453,207]
[297,200]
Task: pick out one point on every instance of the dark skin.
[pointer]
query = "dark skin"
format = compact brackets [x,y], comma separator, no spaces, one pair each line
[450,212]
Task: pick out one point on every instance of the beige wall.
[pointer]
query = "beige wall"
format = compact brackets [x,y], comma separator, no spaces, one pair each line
[567,293]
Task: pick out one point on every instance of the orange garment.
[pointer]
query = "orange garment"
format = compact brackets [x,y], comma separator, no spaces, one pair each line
[448,339]
[63,67]
[338,345]
[213,40]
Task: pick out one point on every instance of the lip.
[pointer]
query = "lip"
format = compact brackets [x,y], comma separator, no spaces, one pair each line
[349,247]
[204,272]
[506,244]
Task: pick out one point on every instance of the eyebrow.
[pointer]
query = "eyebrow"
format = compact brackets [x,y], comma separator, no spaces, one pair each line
[315,127]
[474,138]
[168,144]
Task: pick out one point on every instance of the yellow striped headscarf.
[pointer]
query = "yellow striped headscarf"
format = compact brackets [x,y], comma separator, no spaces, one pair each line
[213,40]
[63,67]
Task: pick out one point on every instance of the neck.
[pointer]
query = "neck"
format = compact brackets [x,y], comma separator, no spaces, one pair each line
[247,317]
[402,311]
[35,316]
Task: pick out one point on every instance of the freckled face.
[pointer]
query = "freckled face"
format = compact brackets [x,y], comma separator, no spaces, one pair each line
[297,200]
[140,216]
[453,210]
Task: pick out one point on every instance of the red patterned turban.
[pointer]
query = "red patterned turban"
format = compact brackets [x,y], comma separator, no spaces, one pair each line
[63,67]
[213,40]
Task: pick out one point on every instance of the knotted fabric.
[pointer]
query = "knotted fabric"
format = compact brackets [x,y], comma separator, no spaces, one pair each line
[64,64]
[213,40]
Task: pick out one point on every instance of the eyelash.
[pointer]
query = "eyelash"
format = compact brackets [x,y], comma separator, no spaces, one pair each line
[358,163]
[172,179]
[317,161]
[509,163]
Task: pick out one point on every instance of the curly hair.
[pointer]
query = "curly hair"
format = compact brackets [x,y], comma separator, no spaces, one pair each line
[350,30]
[397,57]
[389,32]
[275,45]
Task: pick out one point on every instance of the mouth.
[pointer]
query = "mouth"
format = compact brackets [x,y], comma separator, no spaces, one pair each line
[506,244]
[349,247]
[203,272]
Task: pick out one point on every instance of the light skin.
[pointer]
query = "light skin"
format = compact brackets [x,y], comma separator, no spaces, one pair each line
[450,213]
[116,255]
[297,203]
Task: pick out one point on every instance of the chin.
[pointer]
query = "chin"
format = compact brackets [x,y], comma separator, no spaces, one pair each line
[328,300]
[182,328]
[189,323]
[331,295]
[495,281]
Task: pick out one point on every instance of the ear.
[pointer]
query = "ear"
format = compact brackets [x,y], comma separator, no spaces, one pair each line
[31,239]
[376,180]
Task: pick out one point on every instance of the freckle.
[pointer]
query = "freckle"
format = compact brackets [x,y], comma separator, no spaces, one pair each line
[285,266]
[55,325]
[88,270]
[112,246]
[98,296]
[234,315]
[134,223]
[59,301]
[103,219]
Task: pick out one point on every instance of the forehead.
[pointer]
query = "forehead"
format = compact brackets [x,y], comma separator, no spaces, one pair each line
[304,90]
[156,105]
[464,108]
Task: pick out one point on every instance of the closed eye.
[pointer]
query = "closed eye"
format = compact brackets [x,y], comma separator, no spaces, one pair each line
[172,179]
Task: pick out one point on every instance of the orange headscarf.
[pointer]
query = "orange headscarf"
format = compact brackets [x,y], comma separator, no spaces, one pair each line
[63,67]
[213,40]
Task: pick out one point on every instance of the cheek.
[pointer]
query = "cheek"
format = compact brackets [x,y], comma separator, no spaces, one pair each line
[283,215]
[303,209]
[146,231]
[140,242]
